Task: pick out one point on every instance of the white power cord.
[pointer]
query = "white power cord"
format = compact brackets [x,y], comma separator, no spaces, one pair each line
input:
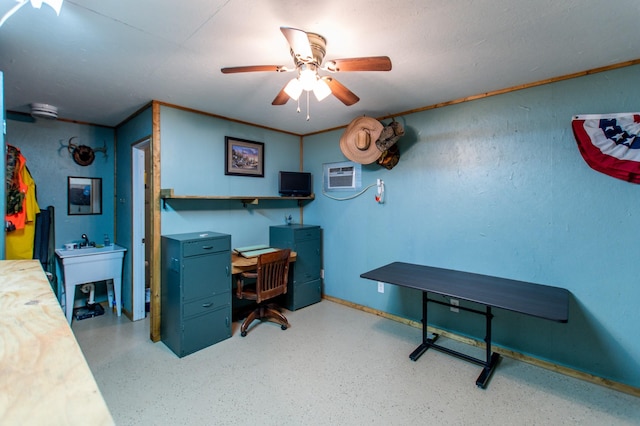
[379,195]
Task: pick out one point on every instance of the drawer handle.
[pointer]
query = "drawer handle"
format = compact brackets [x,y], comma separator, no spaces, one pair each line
[207,247]
[207,305]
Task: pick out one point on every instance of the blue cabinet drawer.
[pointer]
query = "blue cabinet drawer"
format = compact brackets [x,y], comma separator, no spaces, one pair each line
[303,294]
[205,330]
[207,304]
[308,263]
[205,246]
[311,233]
[206,275]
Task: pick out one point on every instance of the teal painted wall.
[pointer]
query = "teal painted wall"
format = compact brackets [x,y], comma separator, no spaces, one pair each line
[193,163]
[135,130]
[43,143]
[497,186]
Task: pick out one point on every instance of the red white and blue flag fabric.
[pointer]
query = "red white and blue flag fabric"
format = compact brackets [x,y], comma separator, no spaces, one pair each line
[610,143]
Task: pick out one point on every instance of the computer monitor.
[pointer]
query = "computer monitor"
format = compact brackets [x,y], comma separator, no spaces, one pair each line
[294,184]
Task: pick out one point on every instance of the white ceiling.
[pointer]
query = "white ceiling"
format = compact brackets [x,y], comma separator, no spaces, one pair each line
[100,61]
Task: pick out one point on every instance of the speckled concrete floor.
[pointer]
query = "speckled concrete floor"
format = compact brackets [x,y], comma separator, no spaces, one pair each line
[334,366]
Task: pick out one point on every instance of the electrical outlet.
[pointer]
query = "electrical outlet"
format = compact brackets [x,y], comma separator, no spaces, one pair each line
[454,302]
[380,287]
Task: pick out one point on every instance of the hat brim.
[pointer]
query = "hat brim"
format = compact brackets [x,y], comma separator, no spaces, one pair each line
[348,140]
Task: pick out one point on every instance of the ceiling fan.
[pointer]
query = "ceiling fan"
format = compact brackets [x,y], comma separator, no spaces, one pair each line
[307,51]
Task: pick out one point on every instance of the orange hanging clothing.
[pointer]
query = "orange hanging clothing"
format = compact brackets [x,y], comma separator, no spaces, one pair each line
[16,189]
[19,243]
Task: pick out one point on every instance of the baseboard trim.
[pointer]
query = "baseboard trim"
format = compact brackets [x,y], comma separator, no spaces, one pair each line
[617,386]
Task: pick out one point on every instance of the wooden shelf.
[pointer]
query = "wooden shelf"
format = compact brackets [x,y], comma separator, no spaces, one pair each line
[167,196]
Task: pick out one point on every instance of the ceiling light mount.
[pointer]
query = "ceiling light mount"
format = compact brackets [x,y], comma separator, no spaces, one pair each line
[47,111]
[318,47]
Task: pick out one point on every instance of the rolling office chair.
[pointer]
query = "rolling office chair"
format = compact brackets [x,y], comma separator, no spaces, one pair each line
[271,279]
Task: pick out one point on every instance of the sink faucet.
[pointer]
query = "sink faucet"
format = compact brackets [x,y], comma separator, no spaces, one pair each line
[86,240]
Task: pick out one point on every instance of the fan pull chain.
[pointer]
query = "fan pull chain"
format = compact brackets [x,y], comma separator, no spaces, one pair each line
[308,116]
[298,110]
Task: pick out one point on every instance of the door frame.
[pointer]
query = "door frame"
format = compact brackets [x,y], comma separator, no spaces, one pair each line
[139,152]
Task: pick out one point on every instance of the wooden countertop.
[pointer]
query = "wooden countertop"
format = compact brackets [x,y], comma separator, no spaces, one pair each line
[45,378]
[242,264]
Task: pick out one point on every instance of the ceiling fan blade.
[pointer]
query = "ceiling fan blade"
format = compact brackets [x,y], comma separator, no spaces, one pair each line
[341,92]
[371,63]
[281,98]
[253,68]
[299,42]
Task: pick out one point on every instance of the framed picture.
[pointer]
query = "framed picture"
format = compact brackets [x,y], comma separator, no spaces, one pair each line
[84,195]
[243,158]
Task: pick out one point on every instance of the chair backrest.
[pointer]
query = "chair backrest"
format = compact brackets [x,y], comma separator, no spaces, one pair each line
[273,274]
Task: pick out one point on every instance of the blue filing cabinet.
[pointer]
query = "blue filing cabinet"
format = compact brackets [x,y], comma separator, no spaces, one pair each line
[196,290]
[305,284]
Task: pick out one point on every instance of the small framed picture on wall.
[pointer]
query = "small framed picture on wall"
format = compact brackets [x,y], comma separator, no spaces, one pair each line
[243,157]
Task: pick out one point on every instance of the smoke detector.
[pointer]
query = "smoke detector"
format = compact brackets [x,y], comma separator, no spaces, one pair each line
[44,111]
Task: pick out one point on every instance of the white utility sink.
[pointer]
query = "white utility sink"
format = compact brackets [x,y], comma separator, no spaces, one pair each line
[83,251]
[91,264]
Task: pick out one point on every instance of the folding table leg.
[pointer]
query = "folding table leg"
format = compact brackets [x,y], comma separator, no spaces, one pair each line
[417,353]
[491,359]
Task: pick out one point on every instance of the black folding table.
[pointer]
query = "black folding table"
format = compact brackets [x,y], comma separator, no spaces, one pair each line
[542,301]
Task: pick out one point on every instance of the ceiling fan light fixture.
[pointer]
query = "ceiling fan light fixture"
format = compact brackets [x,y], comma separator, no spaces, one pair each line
[308,78]
[308,50]
[293,89]
[321,89]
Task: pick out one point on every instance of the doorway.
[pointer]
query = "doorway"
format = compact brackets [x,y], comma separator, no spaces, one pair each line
[141,261]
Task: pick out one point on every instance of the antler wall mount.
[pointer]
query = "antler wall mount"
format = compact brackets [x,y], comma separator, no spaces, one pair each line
[84,155]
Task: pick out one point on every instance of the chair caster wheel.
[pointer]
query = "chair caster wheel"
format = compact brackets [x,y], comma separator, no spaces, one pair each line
[284,327]
[243,333]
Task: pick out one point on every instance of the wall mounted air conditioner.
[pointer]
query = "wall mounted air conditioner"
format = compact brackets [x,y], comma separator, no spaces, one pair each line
[343,176]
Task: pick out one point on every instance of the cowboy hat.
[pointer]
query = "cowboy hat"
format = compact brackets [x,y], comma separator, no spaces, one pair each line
[358,142]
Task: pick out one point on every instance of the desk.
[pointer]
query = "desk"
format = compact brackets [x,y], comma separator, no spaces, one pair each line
[243,264]
[542,301]
[90,265]
[45,377]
